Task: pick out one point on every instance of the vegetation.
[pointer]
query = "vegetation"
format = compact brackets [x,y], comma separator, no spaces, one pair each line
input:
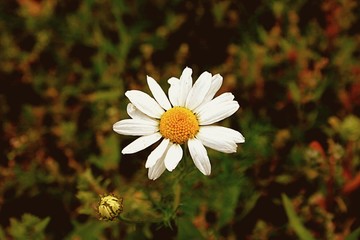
[294,67]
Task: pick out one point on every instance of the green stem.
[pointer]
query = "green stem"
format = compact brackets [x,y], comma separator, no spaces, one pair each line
[133,221]
[177,195]
[176,204]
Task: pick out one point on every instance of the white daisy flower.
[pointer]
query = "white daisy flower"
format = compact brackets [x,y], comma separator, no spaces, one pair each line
[186,117]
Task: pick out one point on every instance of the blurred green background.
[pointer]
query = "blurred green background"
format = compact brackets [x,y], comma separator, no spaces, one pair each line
[294,67]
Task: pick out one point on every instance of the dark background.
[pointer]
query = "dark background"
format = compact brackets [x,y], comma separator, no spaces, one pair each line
[293,66]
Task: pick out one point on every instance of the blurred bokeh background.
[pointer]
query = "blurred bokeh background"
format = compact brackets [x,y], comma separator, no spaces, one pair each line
[293,65]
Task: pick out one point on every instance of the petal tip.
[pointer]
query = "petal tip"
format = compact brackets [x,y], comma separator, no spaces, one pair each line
[206,172]
[124,152]
[149,78]
[169,168]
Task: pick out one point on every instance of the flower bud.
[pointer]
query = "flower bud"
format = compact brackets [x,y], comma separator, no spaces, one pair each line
[110,207]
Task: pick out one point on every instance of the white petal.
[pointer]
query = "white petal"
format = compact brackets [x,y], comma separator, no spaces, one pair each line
[221,112]
[141,143]
[225,97]
[218,113]
[220,138]
[173,91]
[135,113]
[173,156]
[227,134]
[135,127]
[158,93]
[199,156]
[157,153]
[198,91]
[216,83]
[156,170]
[225,147]
[185,85]
[145,103]
[217,109]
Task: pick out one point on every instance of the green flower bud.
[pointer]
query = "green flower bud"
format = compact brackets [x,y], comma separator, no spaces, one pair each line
[110,207]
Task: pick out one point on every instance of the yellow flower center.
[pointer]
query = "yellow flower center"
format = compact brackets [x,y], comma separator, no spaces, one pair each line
[178,124]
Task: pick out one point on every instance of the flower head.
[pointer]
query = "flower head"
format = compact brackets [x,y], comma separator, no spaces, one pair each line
[185,117]
[110,207]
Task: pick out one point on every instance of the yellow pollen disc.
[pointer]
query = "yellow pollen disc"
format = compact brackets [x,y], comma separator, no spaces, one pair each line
[178,124]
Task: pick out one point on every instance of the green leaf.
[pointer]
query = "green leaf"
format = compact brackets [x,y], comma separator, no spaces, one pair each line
[105,95]
[110,154]
[354,235]
[187,230]
[228,202]
[249,205]
[284,179]
[2,233]
[87,199]
[91,230]
[295,221]
[29,227]
[295,92]
[350,128]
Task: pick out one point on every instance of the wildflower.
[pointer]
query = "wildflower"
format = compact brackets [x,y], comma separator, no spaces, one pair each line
[110,207]
[186,117]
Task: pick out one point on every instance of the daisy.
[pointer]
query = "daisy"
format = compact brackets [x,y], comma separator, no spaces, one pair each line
[185,117]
